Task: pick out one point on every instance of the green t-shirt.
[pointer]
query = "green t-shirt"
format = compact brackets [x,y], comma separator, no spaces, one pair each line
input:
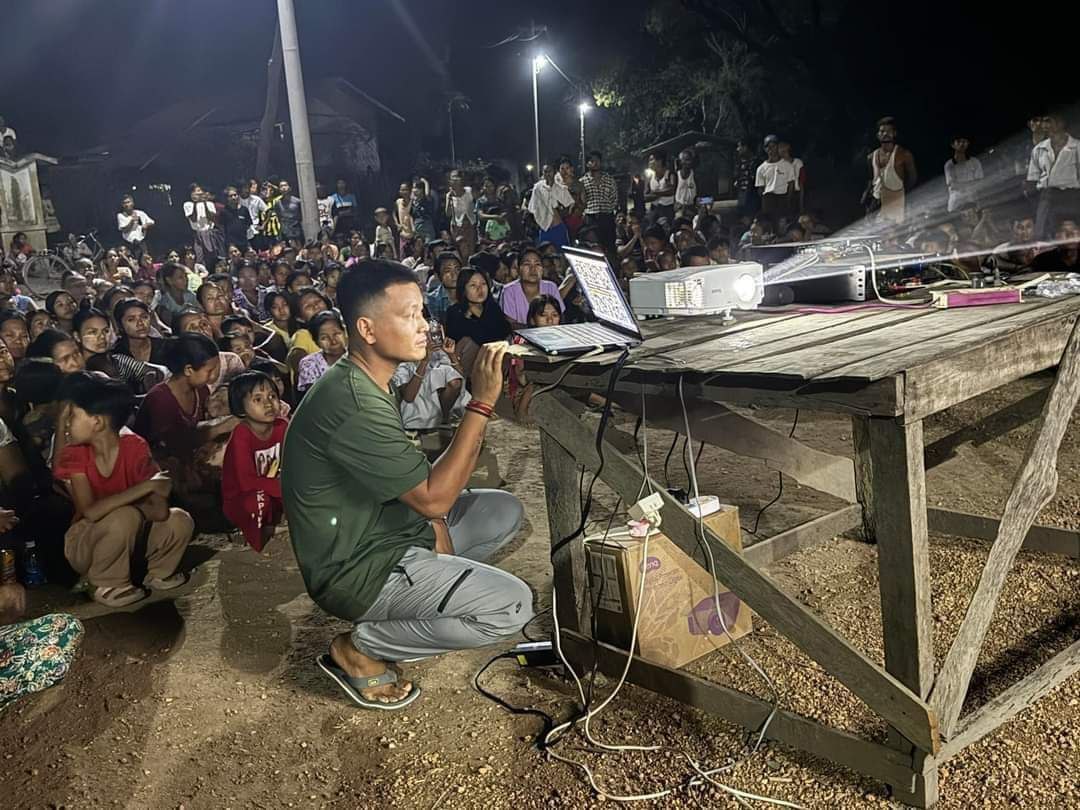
[346,462]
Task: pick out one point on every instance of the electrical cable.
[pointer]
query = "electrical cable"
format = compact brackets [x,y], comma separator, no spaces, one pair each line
[549,721]
[667,460]
[589,713]
[780,477]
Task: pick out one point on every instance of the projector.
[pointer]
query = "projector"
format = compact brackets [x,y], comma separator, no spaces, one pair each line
[707,290]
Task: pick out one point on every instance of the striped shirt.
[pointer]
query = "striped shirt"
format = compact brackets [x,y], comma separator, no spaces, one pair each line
[601,193]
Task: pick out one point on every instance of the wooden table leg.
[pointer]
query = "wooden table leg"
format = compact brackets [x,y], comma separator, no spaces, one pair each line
[891,484]
[561,479]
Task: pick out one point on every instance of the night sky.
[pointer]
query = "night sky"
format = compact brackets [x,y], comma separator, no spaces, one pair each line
[74,71]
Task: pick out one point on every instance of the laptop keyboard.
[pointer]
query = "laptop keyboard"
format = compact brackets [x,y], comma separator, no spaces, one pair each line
[587,334]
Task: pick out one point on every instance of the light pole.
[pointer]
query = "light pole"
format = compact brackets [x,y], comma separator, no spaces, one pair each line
[298,118]
[583,108]
[537,65]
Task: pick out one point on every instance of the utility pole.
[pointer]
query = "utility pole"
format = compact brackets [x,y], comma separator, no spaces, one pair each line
[298,118]
[453,146]
[536,64]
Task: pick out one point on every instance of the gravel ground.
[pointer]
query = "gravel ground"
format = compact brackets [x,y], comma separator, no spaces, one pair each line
[211,700]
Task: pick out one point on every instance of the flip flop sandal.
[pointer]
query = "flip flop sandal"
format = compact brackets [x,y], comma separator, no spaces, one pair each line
[118,597]
[168,583]
[353,686]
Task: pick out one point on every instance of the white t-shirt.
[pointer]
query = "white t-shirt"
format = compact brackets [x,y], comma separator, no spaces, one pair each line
[543,201]
[685,189]
[960,178]
[773,178]
[255,206]
[462,207]
[425,412]
[1047,170]
[797,165]
[138,233]
[326,205]
[656,184]
[203,222]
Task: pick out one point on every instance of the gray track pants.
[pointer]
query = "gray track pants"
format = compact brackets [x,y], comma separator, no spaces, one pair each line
[434,603]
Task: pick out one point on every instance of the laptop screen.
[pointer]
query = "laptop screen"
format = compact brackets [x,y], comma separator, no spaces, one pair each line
[602,290]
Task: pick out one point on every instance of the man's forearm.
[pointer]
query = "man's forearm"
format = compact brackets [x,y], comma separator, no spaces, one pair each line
[451,472]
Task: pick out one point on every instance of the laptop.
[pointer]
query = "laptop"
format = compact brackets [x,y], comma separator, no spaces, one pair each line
[615,326]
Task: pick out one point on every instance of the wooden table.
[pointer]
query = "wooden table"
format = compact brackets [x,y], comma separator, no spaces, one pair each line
[889,369]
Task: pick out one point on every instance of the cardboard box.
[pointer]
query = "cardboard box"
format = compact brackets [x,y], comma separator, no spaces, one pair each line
[678,621]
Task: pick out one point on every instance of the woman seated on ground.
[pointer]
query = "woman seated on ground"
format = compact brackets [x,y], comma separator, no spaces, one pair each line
[34,653]
[14,334]
[113,268]
[93,331]
[38,321]
[132,319]
[59,348]
[308,303]
[174,419]
[279,311]
[476,318]
[215,300]
[249,298]
[329,332]
[146,292]
[175,295]
[196,321]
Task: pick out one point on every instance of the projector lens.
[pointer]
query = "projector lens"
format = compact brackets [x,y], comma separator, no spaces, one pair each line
[744,287]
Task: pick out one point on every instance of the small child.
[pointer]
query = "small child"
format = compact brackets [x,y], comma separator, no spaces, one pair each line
[240,344]
[544,310]
[251,475]
[384,233]
[114,509]
[431,391]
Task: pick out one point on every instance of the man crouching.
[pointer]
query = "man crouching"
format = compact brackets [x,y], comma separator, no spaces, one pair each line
[385,539]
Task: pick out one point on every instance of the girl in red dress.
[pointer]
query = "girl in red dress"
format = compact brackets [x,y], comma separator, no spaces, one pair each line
[251,475]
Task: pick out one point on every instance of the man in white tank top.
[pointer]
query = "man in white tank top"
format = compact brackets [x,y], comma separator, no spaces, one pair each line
[892,173]
[660,191]
[686,193]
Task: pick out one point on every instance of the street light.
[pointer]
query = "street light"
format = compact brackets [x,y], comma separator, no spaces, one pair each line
[538,63]
[583,108]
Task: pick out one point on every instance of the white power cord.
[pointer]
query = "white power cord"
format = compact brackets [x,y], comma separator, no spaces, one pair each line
[706,775]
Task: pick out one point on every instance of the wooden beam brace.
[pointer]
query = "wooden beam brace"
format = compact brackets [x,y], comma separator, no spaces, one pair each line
[1012,701]
[720,426]
[559,415]
[803,536]
[1034,486]
[787,728]
[564,516]
[1044,539]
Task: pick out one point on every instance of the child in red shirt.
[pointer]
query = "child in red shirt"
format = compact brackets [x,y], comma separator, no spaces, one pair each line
[251,475]
[119,495]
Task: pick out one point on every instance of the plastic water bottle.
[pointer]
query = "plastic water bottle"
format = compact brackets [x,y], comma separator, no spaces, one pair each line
[33,576]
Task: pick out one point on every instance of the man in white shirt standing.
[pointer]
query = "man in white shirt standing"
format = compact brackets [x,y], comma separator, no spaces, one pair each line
[461,211]
[133,224]
[544,204]
[201,216]
[962,175]
[250,199]
[1054,171]
[6,131]
[775,181]
[660,193]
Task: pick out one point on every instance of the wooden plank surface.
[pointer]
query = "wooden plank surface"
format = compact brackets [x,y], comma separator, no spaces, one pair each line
[1042,539]
[940,384]
[1034,486]
[558,414]
[942,343]
[889,350]
[787,728]
[1012,701]
[803,536]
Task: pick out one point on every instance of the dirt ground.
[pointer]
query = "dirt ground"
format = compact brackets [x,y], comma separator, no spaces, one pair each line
[212,700]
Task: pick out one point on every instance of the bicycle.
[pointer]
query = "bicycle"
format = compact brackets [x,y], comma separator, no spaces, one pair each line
[52,263]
